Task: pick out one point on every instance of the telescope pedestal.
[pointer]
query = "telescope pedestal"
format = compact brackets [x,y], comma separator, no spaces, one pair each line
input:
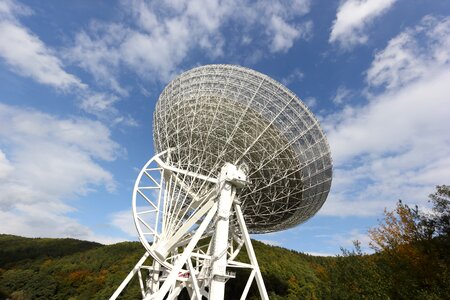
[173,283]
[204,275]
[220,238]
[204,118]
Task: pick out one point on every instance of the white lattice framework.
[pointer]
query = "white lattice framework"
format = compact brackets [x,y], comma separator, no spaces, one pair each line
[238,153]
[219,113]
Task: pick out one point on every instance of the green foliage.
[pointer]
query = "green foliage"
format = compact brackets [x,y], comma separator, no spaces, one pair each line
[412,249]
[75,269]
[412,262]
[439,221]
[14,248]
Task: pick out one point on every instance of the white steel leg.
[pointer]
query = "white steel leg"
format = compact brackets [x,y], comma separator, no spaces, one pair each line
[153,285]
[196,294]
[248,285]
[220,243]
[182,260]
[130,275]
[251,252]
[175,292]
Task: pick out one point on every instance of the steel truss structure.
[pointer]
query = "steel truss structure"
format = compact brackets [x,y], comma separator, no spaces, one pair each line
[219,114]
[160,199]
[238,153]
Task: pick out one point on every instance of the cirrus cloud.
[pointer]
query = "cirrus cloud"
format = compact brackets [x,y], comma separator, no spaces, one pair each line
[46,161]
[397,145]
[353,18]
[163,34]
[27,55]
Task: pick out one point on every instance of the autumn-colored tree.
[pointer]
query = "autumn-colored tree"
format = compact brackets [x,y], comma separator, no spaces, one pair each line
[405,225]
[402,226]
[412,262]
[439,219]
[411,246]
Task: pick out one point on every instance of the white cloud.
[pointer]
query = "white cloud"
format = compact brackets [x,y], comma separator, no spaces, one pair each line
[284,35]
[352,19]
[342,205]
[9,8]
[27,55]
[396,146]
[159,53]
[278,19]
[26,127]
[98,103]
[311,102]
[347,239]
[407,57]
[5,166]
[33,220]
[98,56]
[294,77]
[156,44]
[49,161]
[102,105]
[123,220]
[342,93]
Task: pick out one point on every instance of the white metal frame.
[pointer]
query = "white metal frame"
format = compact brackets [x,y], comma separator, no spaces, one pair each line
[217,114]
[180,259]
[217,128]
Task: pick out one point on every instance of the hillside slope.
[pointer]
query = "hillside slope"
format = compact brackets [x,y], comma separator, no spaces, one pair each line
[71,269]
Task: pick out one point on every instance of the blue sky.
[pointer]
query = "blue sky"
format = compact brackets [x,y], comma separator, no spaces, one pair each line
[79,81]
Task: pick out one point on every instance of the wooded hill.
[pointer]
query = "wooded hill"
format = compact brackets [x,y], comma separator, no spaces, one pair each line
[412,262]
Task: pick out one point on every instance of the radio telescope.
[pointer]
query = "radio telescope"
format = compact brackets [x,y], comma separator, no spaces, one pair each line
[237,153]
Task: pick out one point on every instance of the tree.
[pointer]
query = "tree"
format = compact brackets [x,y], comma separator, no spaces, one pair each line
[406,225]
[439,220]
[401,226]
[355,275]
[412,248]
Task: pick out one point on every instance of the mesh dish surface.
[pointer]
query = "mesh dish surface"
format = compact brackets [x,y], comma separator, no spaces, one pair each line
[219,114]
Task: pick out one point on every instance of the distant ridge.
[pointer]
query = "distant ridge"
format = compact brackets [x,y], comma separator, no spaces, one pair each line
[15,248]
[45,268]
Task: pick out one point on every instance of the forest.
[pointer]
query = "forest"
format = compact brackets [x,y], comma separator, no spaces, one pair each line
[411,260]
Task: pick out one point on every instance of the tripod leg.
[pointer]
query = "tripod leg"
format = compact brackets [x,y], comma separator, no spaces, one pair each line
[171,279]
[251,252]
[129,277]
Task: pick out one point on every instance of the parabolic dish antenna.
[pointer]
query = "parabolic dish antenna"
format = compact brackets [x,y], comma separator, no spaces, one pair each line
[238,153]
